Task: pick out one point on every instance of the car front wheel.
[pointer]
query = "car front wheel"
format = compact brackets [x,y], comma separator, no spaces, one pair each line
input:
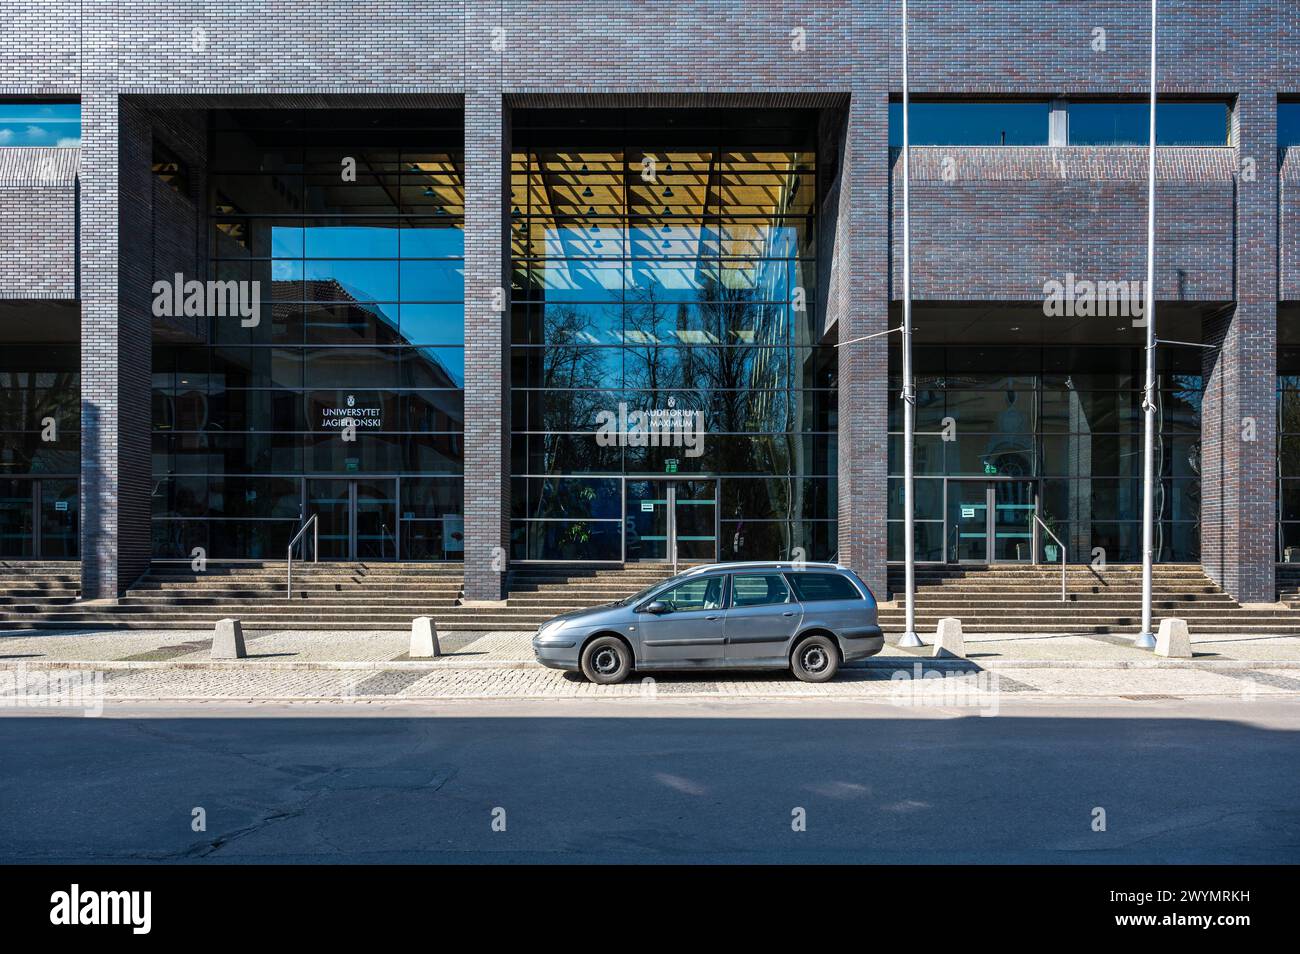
[816,659]
[606,660]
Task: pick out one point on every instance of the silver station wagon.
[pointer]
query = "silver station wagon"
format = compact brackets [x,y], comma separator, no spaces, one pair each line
[806,617]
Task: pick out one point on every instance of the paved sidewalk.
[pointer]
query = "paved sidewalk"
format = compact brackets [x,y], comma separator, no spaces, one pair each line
[513,649]
[906,684]
[329,666]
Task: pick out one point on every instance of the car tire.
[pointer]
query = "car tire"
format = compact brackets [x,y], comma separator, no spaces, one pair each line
[606,660]
[815,659]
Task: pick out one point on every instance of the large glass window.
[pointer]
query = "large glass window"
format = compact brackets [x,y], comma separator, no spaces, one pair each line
[971,123]
[1109,122]
[1288,124]
[1288,445]
[40,124]
[1059,428]
[1178,123]
[666,261]
[352,224]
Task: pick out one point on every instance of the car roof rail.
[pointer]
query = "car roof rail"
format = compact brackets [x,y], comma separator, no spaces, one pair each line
[760,565]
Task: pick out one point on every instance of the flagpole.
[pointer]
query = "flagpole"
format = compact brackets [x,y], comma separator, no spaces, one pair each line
[1145,639]
[909,637]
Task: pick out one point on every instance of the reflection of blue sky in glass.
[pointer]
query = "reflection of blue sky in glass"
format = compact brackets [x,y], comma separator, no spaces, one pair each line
[40,124]
[1090,124]
[970,124]
[1288,124]
[373,263]
[1126,124]
[365,241]
[444,361]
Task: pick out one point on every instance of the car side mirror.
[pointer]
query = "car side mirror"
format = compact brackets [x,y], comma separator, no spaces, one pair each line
[658,607]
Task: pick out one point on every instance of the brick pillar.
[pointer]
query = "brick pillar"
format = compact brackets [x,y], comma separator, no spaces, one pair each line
[1239,414]
[115,347]
[857,299]
[487,398]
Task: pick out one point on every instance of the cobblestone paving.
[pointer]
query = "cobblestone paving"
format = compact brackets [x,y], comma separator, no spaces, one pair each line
[958,689]
[512,647]
[295,645]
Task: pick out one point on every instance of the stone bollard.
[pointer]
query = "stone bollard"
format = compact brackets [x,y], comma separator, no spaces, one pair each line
[424,639]
[228,640]
[1172,639]
[948,640]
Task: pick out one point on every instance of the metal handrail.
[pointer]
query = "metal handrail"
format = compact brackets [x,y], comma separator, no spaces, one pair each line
[315,551]
[1046,530]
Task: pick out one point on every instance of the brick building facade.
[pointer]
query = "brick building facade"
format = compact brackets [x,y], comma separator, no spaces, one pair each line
[93,225]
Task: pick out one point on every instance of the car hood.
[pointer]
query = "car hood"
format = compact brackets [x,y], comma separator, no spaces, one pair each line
[596,615]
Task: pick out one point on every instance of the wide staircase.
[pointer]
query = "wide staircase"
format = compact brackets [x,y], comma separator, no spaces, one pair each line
[1027,599]
[536,592]
[387,596]
[33,588]
[1288,584]
[355,596]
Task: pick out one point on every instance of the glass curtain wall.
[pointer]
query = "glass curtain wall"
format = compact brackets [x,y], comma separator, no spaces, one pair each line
[1065,424]
[667,261]
[352,224]
[40,441]
[1288,448]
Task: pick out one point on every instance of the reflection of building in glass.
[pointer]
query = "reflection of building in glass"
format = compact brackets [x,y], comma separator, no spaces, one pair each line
[362,315]
[1067,443]
[669,264]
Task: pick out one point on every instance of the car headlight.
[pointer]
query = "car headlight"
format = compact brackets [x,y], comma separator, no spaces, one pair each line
[550,629]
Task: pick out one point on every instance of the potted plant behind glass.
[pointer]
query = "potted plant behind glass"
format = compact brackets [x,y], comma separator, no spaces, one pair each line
[1050,548]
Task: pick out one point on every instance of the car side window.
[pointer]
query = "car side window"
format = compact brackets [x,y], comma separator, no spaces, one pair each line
[758,589]
[704,593]
[812,587]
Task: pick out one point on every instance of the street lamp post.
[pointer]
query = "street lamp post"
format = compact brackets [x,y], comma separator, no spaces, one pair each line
[1145,639]
[909,637]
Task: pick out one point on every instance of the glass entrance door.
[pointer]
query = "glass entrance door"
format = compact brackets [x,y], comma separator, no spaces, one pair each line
[17,506]
[968,521]
[671,519]
[1012,504]
[38,518]
[989,521]
[374,520]
[59,538]
[695,520]
[358,518]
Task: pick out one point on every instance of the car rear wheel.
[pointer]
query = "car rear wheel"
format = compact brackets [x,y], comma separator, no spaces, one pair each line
[816,659]
[606,660]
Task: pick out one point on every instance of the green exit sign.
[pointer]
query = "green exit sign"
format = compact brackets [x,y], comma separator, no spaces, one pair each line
[670,466]
[990,468]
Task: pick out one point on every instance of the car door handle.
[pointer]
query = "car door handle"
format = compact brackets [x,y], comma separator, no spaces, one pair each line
[711,617]
[787,614]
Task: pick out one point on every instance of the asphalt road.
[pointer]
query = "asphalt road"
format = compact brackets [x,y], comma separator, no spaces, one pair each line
[655,781]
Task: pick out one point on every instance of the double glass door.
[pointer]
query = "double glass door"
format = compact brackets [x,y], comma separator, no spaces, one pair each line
[357,518]
[38,518]
[990,521]
[669,521]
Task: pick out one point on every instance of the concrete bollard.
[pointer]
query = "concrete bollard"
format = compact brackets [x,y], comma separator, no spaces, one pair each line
[1172,640]
[228,640]
[948,640]
[424,639]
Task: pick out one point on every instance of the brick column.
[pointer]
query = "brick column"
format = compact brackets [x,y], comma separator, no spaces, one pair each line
[1238,414]
[857,299]
[115,348]
[487,398]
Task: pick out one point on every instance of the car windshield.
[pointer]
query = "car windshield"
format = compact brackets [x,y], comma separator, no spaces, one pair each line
[637,597]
